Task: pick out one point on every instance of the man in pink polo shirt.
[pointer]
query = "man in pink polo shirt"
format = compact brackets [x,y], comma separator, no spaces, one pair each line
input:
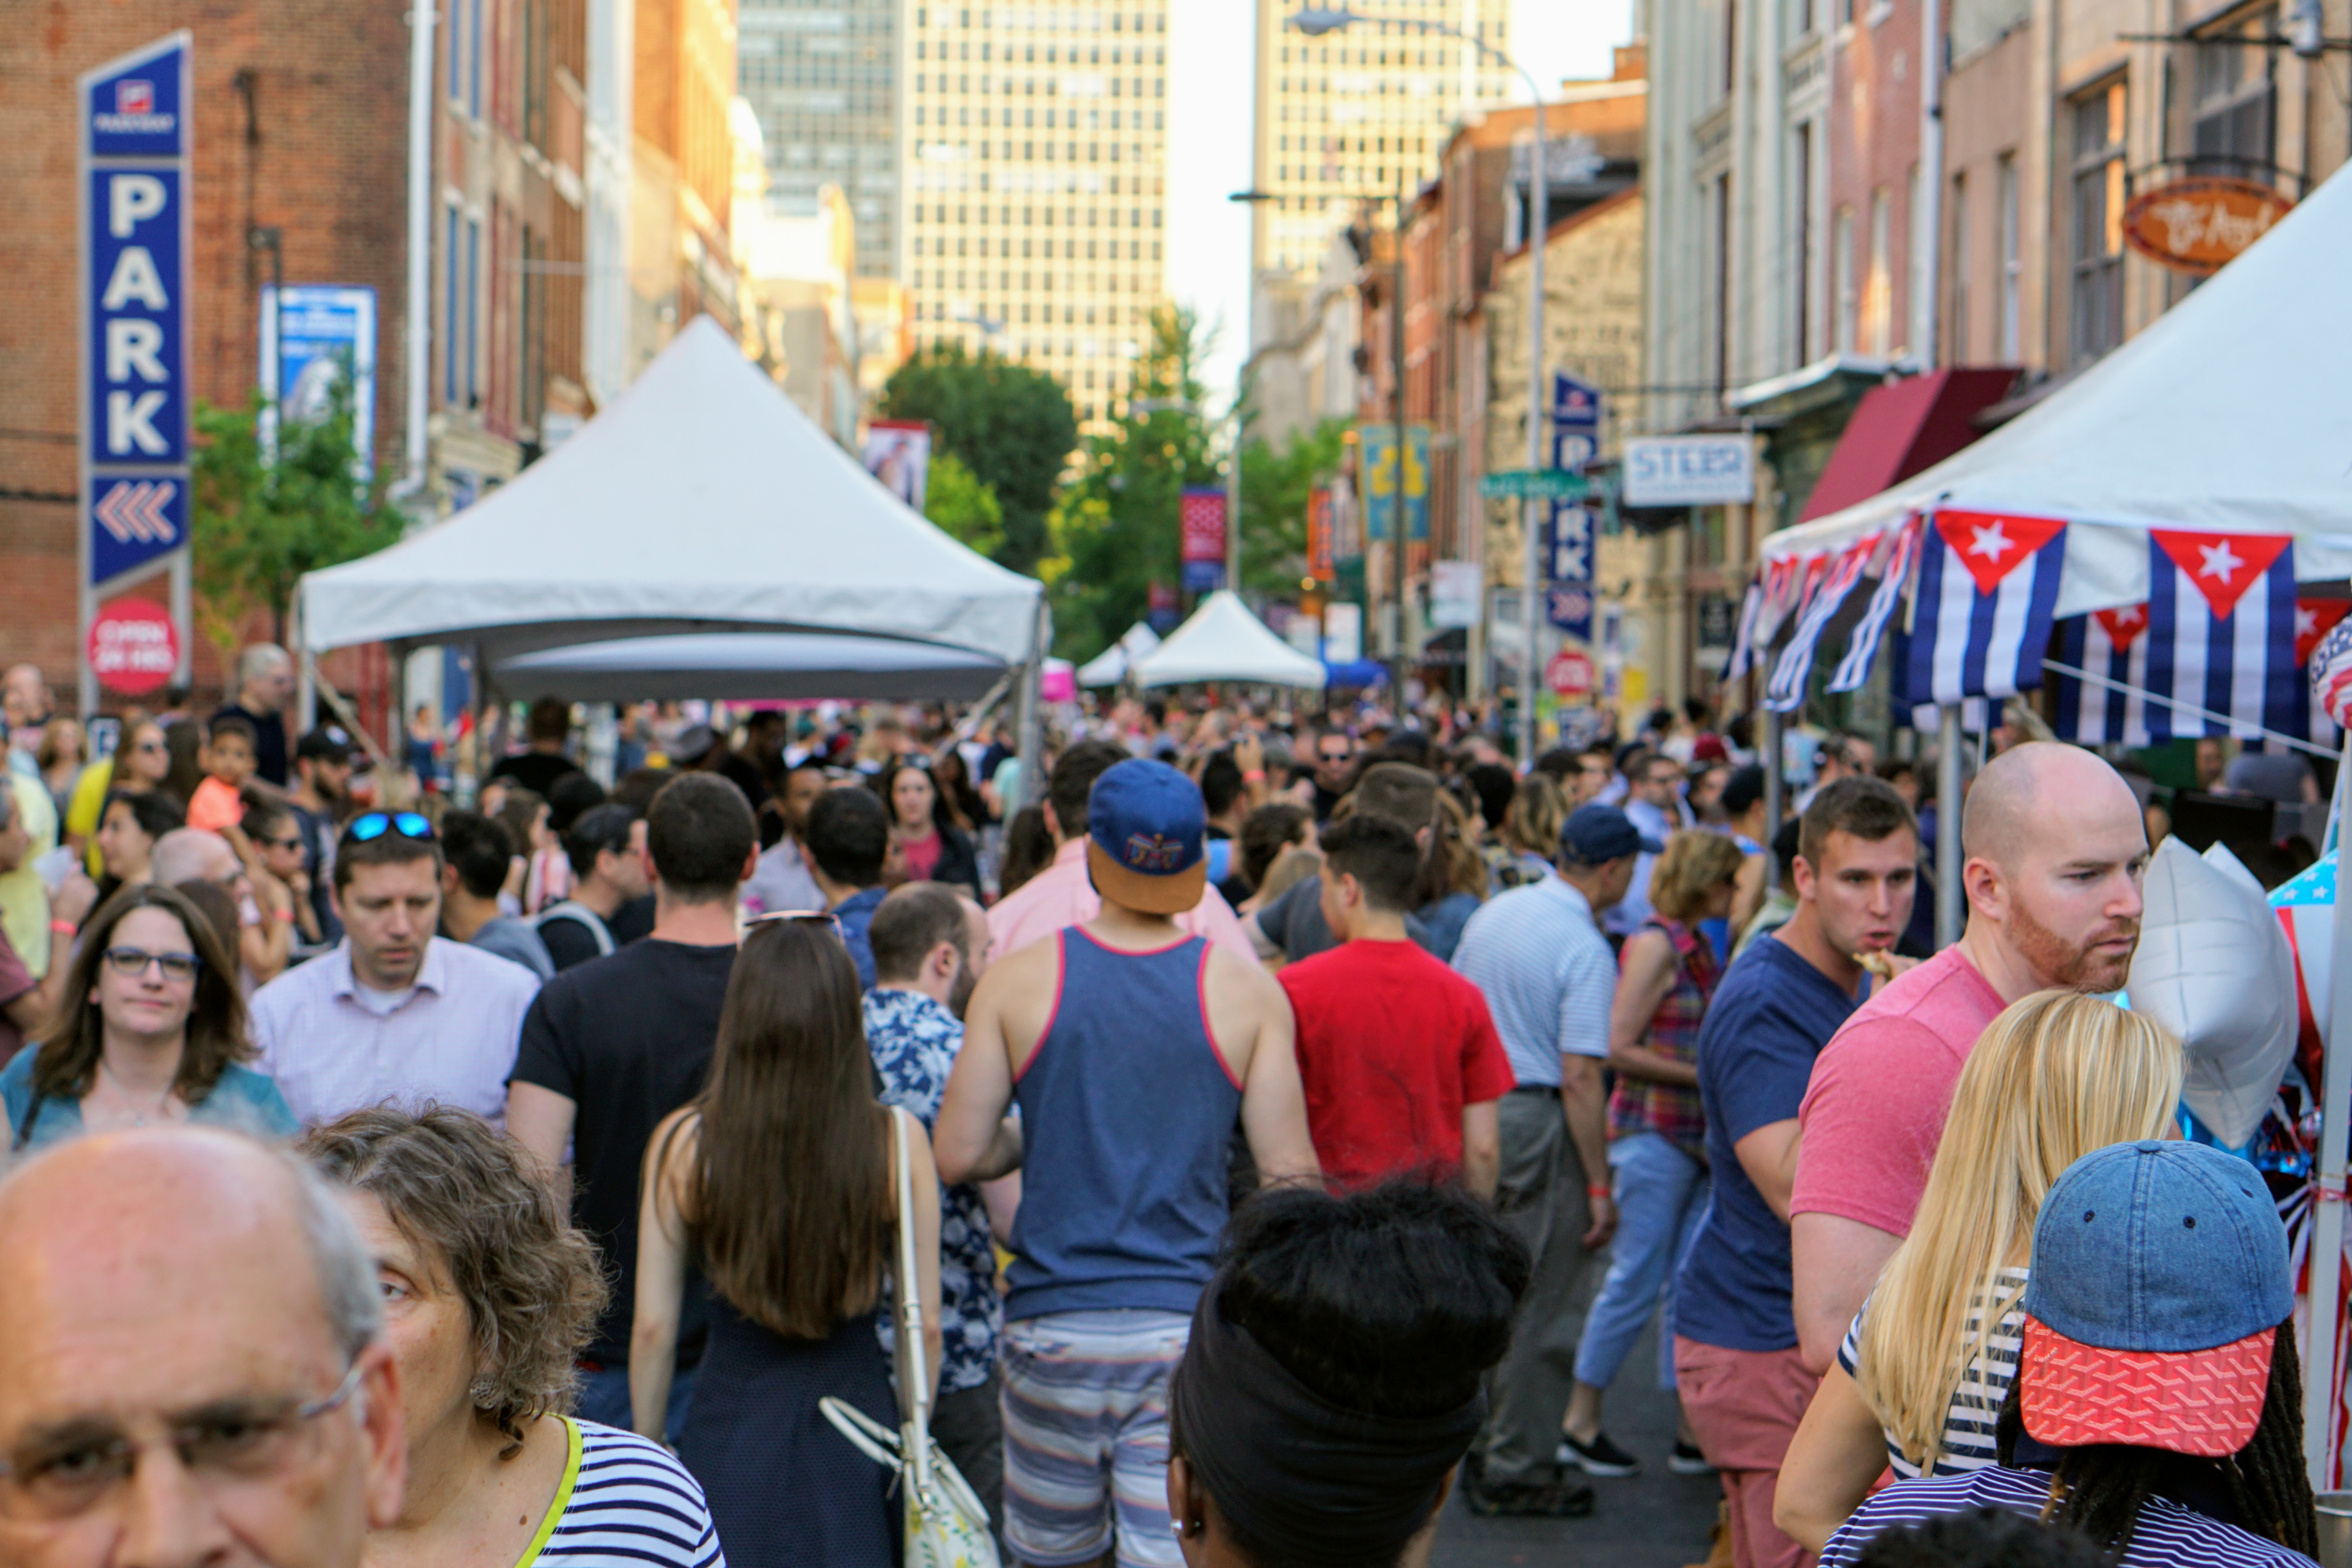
[2055,851]
[1063,895]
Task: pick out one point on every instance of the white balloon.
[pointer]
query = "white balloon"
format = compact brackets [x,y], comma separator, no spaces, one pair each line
[2214,968]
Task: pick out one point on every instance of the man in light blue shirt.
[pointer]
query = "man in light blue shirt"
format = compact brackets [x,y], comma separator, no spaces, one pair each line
[1549,976]
[1655,806]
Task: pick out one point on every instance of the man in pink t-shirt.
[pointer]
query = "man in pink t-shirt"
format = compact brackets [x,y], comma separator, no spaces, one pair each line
[2055,847]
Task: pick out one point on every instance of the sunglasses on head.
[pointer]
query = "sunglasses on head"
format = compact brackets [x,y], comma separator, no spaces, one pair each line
[374,825]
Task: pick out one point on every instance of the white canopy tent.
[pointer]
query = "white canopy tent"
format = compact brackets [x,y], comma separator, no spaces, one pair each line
[703,499]
[1109,667]
[2227,415]
[1223,641]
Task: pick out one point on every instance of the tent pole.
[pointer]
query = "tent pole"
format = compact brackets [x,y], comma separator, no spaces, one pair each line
[1948,903]
[1776,801]
[2323,1377]
[1032,708]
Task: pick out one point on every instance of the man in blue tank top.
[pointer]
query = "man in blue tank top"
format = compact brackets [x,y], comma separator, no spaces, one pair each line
[1130,1049]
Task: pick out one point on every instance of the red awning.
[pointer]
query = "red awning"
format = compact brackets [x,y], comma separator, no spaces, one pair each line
[1902,428]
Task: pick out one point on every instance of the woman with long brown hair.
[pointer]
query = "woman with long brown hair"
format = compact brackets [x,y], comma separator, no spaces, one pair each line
[151,1029]
[778,1180]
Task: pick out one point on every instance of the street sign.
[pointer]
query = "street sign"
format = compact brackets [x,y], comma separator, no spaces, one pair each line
[1570,674]
[1689,470]
[1519,484]
[132,647]
[133,142]
[1575,403]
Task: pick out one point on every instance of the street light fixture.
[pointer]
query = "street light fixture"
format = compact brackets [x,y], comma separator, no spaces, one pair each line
[1315,22]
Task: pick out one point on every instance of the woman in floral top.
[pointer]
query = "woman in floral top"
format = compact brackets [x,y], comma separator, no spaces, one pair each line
[1657,1133]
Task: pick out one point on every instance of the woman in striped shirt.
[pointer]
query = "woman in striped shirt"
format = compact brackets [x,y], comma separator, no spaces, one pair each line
[1921,1376]
[490,1296]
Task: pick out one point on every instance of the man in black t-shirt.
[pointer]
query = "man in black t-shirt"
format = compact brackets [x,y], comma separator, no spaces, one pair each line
[614,1044]
[549,727]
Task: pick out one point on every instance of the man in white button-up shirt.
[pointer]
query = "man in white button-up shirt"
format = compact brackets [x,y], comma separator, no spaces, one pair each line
[392,1014]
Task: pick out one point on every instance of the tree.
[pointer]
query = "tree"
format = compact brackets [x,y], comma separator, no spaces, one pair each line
[1116,530]
[1274,488]
[260,522]
[967,509]
[1010,424]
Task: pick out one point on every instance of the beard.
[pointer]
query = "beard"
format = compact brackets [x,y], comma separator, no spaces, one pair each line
[959,992]
[2073,966]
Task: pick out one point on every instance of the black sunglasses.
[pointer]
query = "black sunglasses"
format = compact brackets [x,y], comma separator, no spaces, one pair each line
[374,825]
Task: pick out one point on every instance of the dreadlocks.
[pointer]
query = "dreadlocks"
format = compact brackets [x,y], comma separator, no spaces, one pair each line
[2100,1489]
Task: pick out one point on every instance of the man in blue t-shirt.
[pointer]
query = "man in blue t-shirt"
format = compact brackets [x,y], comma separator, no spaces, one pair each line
[1735,1356]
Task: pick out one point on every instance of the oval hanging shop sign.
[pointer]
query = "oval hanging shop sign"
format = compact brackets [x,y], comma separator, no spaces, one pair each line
[2201,223]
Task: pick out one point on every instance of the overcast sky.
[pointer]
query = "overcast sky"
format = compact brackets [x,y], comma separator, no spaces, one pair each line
[1209,152]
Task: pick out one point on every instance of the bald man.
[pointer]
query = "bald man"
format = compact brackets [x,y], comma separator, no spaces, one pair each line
[190,1362]
[2055,846]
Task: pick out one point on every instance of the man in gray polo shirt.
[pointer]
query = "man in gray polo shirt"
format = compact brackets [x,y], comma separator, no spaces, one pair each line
[1549,976]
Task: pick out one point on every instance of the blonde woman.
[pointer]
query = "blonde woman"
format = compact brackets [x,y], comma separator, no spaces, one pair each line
[1922,1374]
[1657,1136]
[1530,835]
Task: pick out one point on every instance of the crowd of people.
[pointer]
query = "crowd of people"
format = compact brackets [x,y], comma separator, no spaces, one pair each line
[1299,1123]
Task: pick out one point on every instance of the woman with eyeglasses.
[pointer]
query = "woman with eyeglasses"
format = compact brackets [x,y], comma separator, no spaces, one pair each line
[924,829]
[138,767]
[150,1029]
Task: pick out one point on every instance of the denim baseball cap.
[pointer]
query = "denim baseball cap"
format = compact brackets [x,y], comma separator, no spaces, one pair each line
[2159,1274]
[1597,833]
[1146,832]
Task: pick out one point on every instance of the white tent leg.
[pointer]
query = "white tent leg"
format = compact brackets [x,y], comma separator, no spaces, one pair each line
[2322,1376]
[1768,752]
[1948,903]
[1032,710]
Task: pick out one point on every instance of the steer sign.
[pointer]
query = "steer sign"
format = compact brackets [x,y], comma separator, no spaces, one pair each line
[135,240]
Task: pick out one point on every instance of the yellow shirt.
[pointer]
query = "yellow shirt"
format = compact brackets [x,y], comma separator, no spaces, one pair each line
[86,807]
[24,901]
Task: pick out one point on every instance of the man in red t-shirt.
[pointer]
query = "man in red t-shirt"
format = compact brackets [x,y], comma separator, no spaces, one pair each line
[2055,846]
[1399,1056]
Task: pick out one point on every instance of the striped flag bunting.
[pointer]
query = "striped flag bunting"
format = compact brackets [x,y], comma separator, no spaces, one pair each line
[1777,593]
[1786,690]
[2110,645]
[1980,619]
[2221,632]
[1862,647]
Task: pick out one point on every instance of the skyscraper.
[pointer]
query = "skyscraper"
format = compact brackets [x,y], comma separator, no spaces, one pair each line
[822,77]
[1036,189]
[1359,112]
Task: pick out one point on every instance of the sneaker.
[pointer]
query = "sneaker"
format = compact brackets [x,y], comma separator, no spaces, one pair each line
[1599,1458]
[1553,1500]
[1687,1461]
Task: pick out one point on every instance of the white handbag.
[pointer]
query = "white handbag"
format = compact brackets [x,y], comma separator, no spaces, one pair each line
[946,1525]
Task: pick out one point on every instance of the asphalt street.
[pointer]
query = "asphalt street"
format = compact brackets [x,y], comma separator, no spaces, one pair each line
[1655,1519]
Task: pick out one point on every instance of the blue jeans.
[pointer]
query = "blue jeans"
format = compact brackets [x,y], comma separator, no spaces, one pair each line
[604,1397]
[1661,1192]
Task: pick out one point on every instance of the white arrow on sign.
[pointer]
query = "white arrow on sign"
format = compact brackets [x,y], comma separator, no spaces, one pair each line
[133,510]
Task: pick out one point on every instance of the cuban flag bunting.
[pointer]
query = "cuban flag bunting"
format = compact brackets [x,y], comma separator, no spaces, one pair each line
[1786,690]
[1893,575]
[1776,593]
[2108,644]
[1980,618]
[2220,612]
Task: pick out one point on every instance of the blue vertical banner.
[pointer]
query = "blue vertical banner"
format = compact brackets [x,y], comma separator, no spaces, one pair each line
[314,339]
[1570,539]
[1382,481]
[134,143]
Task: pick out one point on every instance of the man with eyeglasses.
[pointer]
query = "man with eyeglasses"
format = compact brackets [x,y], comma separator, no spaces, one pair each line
[191,1361]
[393,1012]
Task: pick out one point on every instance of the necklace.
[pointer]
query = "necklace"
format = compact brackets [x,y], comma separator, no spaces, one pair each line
[138,1117]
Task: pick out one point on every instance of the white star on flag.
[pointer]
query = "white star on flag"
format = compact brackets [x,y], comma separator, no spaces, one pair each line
[2136,615]
[1989,542]
[2218,560]
[2305,622]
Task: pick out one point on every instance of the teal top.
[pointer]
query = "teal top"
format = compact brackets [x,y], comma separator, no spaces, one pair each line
[243,1099]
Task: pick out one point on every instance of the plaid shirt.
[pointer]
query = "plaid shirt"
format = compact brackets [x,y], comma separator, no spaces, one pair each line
[1670,1109]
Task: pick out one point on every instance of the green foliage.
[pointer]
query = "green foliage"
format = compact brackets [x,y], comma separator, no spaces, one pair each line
[1115,529]
[1011,426]
[259,524]
[965,509]
[1275,486]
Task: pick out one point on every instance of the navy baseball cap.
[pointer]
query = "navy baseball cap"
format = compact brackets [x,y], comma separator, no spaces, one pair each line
[1597,833]
[2160,1274]
[1147,828]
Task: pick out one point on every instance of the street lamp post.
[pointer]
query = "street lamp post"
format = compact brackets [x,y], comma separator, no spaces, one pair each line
[1316,22]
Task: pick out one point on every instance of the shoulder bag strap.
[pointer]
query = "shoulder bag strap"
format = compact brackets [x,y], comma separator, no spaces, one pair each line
[24,1131]
[914,1366]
